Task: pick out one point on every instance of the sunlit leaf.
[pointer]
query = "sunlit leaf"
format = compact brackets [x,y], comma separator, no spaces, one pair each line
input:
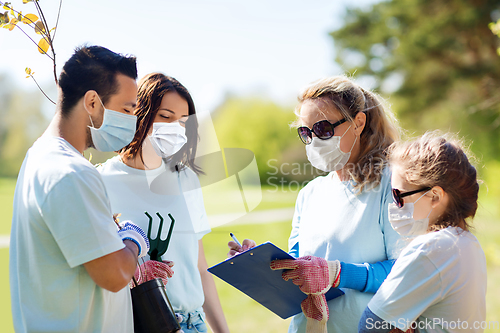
[495,27]
[26,1]
[6,6]
[43,46]
[12,24]
[29,18]
[39,27]
[29,72]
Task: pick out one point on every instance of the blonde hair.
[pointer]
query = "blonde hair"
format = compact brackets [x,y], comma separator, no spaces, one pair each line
[439,160]
[380,130]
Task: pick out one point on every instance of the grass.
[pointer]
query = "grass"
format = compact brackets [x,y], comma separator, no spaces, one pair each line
[487,230]
[228,199]
[6,325]
[7,186]
[242,313]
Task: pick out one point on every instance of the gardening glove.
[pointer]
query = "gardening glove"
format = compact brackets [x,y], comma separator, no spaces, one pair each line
[129,230]
[153,269]
[314,276]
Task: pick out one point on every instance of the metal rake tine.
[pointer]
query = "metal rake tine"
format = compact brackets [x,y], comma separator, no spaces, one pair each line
[162,244]
[150,224]
[153,243]
[167,241]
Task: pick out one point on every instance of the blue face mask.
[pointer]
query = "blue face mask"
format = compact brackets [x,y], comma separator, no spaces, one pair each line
[117,130]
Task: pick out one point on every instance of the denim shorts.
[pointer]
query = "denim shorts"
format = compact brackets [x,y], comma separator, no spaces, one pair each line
[193,322]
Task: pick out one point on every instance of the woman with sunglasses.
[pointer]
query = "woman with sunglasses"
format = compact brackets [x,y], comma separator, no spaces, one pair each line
[438,284]
[156,173]
[340,231]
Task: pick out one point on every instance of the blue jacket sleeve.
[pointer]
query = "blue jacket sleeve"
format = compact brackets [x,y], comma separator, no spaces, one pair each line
[371,323]
[364,277]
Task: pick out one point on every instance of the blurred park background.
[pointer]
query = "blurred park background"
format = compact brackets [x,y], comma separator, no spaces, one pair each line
[436,63]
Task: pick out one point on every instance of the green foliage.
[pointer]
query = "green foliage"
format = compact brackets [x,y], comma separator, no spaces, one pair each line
[22,123]
[260,126]
[495,28]
[445,57]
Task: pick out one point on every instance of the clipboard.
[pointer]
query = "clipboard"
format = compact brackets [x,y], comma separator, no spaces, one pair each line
[250,273]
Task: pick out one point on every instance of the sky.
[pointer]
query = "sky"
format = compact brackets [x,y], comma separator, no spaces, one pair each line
[266,47]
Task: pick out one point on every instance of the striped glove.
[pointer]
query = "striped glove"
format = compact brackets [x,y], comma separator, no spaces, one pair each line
[314,276]
[129,230]
[153,269]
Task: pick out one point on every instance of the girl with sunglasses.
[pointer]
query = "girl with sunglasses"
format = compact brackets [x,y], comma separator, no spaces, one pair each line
[156,173]
[438,284]
[340,231]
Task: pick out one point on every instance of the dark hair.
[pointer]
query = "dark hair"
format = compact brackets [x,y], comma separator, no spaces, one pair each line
[152,88]
[436,160]
[93,68]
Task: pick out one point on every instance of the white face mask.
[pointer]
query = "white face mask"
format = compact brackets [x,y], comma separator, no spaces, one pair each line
[167,138]
[402,220]
[326,155]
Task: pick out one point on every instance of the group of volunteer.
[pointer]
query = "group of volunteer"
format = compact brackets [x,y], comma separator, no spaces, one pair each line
[389,224]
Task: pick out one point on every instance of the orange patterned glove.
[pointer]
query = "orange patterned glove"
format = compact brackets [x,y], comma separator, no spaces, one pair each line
[314,276]
[153,269]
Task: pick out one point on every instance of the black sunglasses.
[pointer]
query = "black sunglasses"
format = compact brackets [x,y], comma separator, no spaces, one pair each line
[323,130]
[397,196]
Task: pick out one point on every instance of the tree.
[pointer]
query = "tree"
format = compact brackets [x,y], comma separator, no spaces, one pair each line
[263,127]
[22,122]
[33,25]
[438,58]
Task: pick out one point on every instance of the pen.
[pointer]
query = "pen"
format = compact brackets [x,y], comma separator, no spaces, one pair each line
[235,239]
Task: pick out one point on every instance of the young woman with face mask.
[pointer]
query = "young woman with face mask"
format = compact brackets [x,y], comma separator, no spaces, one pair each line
[438,284]
[156,173]
[340,231]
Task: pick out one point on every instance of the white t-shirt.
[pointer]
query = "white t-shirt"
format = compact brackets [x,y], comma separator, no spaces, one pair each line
[133,192]
[332,221]
[61,220]
[440,281]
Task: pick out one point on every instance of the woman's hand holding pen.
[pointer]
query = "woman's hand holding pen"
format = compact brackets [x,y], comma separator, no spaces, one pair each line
[235,247]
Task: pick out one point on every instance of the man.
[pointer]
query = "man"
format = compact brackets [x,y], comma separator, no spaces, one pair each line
[66,256]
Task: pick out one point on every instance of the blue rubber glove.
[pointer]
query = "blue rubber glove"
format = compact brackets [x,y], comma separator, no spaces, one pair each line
[132,232]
